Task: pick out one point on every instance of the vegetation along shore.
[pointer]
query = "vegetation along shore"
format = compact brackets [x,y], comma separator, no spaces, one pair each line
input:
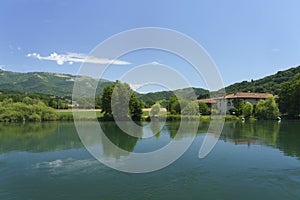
[31,99]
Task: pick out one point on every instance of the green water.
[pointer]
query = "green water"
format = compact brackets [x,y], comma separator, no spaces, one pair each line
[259,160]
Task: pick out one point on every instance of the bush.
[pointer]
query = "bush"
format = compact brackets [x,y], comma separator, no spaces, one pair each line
[267,109]
[248,110]
[27,110]
[191,109]
[203,108]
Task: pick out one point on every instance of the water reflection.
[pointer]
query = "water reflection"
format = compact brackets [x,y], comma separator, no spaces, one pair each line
[37,137]
[41,137]
[289,138]
[284,136]
[263,132]
[119,138]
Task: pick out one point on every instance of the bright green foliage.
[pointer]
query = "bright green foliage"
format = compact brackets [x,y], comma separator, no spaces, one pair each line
[248,109]
[27,110]
[289,98]
[135,107]
[149,102]
[191,108]
[203,108]
[269,84]
[106,101]
[155,109]
[239,106]
[174,105]
[117,96]
[267,109]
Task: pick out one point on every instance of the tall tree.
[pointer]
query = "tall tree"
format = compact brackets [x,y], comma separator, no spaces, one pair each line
[106,101]
[289,97]
[174,105]
[115,97]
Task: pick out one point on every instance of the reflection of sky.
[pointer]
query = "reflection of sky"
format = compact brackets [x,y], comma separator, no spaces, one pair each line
[249,171]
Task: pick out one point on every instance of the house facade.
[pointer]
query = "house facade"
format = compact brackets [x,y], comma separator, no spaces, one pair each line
[227,102]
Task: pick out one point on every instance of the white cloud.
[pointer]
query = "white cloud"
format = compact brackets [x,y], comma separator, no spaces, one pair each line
[76,58]
[2,67]
[155,63]
[135,87]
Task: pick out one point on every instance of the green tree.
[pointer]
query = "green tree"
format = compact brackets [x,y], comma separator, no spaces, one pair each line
[135,107]
[289,97]
[191,108]
[203,108]
[238,105]
[203,95]
[247,110]
[149,102]
[27,110]
[267,109]
[174,105]
[115,97]
[106,101]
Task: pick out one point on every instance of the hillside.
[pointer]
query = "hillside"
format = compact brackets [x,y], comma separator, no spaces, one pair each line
[43,83]
[268,84]
[62,84]
[187,92]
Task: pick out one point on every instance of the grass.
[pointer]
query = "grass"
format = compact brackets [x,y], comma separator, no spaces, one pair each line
[67,115]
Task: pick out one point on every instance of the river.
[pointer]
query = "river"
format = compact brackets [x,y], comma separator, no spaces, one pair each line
[252,160]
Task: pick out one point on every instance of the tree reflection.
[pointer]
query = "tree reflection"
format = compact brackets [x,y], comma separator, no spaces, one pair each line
[37,137]
[257,132]
[289,138]
[41,137]
[119,138]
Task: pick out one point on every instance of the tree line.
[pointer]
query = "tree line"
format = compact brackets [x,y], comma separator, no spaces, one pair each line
[37,107]
[26,110]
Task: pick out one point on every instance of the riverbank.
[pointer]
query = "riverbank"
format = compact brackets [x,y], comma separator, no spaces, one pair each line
[67,115]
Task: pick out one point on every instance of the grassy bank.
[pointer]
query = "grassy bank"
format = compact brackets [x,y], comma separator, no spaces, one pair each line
[67,115]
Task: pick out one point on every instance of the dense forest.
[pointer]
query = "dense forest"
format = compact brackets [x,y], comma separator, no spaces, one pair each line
[269,84]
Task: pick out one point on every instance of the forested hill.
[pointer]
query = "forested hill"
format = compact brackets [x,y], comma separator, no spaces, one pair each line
[43,83]
[62,84]
[187,92]
[270,84]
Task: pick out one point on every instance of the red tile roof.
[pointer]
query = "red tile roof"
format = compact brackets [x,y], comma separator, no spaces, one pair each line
[238,95]
[247,95]
[208,101]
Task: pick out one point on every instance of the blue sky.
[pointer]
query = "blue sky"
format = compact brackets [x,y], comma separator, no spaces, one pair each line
[246,39]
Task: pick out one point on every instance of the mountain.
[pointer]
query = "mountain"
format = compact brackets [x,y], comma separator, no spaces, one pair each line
[269,84]
[186,92]
[45,83]
[62,84]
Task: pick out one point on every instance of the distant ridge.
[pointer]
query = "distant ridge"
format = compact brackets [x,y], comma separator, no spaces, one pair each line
[62,84]
[268,84]
[44,83]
